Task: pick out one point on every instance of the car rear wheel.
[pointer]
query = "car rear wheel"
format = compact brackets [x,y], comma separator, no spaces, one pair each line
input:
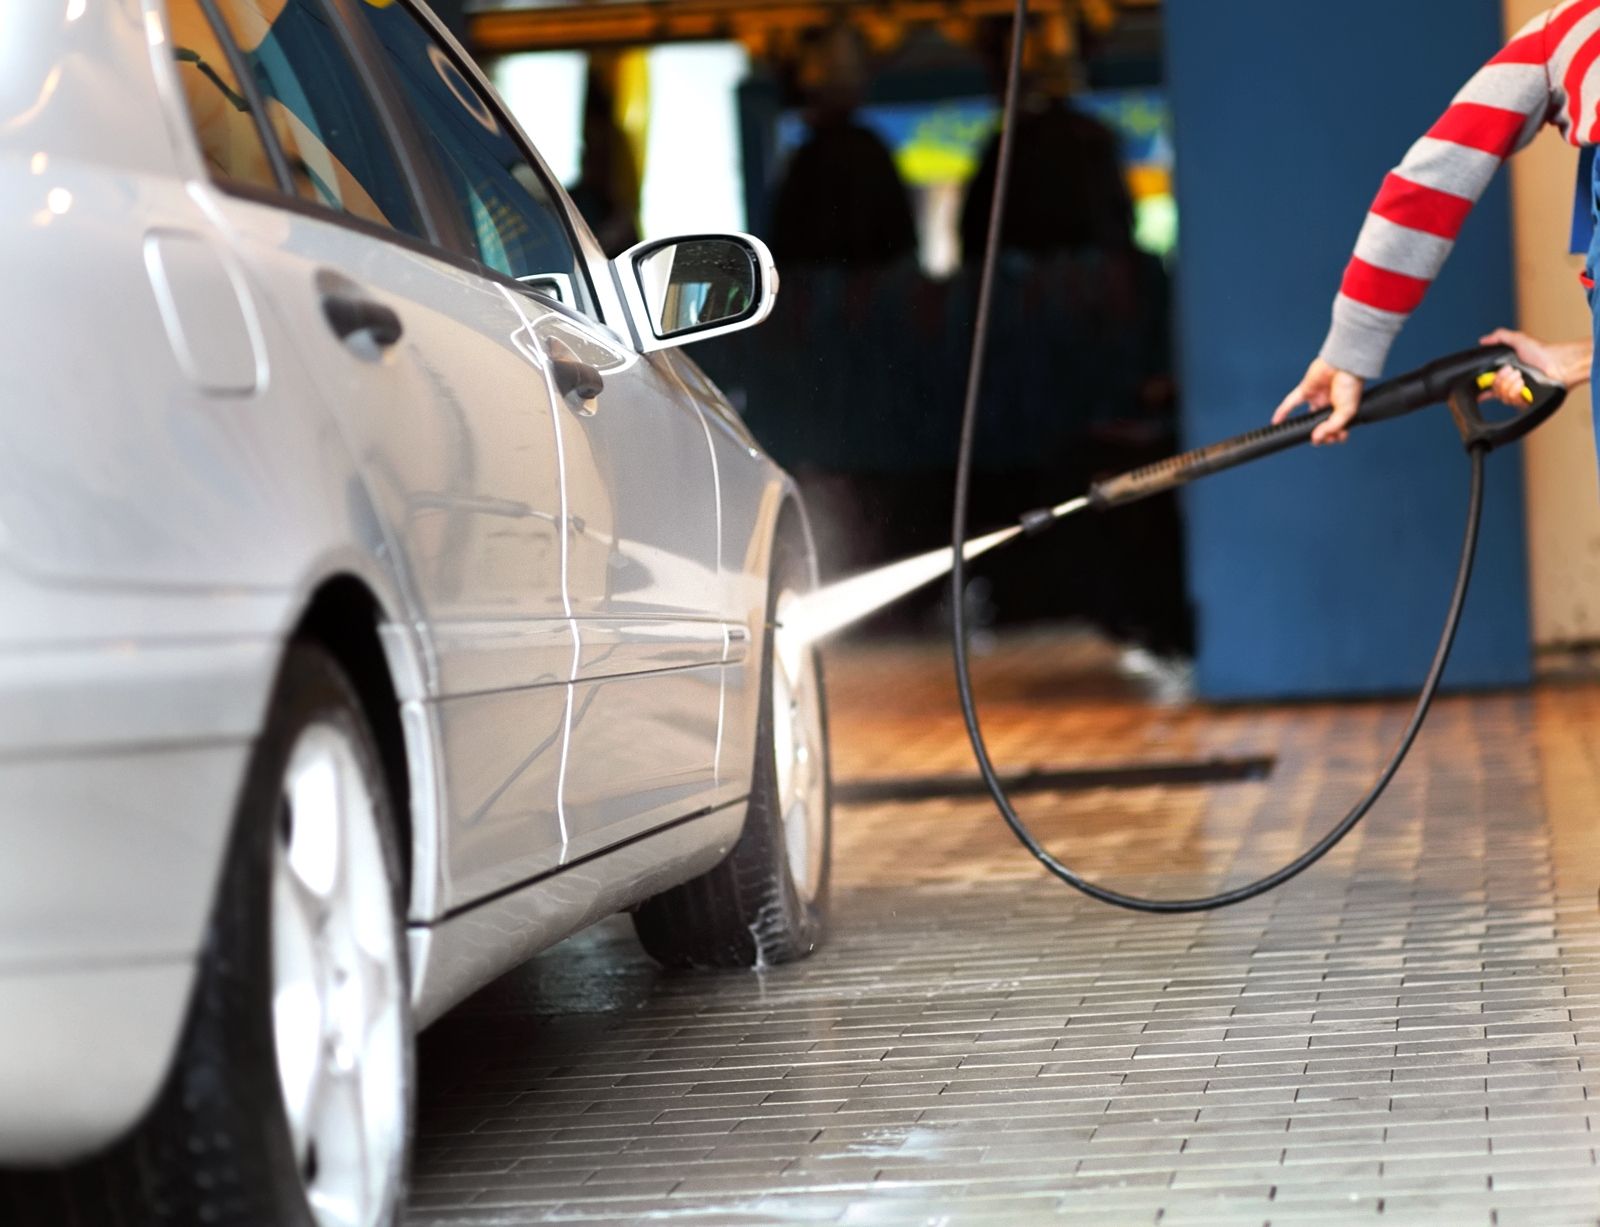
[290,1101]
[767,903]
[341,1035]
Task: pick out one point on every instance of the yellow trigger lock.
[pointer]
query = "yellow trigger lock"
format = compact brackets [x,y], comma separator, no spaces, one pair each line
[1486,381]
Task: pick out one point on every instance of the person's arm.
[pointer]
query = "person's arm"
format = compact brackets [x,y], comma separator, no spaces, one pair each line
[1412,226]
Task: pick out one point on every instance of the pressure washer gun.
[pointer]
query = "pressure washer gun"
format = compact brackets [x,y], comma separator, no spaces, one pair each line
[1458,381]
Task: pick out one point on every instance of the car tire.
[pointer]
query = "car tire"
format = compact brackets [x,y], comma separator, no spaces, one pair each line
[222,1146]
[767,902]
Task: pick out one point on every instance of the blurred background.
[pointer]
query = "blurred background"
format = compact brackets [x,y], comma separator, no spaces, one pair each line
[1189,185]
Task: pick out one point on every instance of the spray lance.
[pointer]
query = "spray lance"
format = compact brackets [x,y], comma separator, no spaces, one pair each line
[1457,381]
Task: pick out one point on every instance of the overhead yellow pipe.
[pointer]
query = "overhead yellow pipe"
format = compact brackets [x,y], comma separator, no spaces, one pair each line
[656,21]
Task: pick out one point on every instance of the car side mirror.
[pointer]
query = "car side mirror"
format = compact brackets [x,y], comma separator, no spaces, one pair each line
[692,289]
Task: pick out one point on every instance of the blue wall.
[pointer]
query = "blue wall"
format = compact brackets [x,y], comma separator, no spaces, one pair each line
[1328,572]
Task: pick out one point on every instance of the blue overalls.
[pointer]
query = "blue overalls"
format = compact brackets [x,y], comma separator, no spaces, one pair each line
[1586,231]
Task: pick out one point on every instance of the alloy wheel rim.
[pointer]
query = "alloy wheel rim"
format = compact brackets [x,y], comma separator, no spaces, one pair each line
[801,752]
[338,996]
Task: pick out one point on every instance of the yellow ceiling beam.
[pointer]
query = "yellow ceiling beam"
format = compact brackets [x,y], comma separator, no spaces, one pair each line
[753,22]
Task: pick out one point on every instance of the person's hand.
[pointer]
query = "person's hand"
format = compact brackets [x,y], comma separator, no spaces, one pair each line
[1326,385]
[1566,363]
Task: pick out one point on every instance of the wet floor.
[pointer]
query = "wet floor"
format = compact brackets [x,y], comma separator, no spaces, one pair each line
[1409,1033]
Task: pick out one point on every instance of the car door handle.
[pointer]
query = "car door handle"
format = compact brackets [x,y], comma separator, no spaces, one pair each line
[350,314]
[573,376]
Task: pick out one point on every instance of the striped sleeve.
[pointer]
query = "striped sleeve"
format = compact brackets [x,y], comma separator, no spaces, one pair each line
[1424,202]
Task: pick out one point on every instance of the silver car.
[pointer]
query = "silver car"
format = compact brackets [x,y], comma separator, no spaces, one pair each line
[383,597]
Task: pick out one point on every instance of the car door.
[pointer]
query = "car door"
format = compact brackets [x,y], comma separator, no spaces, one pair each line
[641,525]
[642,579]
[443,405]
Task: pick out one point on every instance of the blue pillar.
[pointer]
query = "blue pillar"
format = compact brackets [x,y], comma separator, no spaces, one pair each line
[1328,572]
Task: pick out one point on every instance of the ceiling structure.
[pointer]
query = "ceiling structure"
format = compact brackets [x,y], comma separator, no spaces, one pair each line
[497,27]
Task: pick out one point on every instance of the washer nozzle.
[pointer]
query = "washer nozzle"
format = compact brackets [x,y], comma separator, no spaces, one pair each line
[1037,521]
[1042,519]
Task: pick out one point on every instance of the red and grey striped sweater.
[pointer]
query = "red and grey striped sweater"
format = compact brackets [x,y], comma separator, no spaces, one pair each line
[1549,73]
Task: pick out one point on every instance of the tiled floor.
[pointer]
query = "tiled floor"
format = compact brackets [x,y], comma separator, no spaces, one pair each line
[1409,1033]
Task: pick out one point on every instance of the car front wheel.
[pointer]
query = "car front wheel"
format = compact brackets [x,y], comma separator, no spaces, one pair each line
[767,903]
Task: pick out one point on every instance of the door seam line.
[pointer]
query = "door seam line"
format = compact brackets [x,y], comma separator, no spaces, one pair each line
[535,358]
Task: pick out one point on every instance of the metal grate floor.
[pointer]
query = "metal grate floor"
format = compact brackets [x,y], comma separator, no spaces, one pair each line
[1408,1034]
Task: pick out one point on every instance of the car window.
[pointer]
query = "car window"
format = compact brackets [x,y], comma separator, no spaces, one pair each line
[517,224]
[226,128]
[319,112]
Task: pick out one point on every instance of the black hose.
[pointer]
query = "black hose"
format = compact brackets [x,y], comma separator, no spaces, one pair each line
[969,710]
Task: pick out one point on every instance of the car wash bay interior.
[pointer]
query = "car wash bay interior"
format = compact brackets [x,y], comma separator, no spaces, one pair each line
[1408,1033]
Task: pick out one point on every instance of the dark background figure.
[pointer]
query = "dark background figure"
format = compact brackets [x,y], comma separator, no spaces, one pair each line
[844,234]
[841,203]
[1068,191]
[1079,379]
